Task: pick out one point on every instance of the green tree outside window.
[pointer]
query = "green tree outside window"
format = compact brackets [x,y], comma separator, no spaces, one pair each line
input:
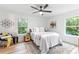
[22,26]
[72,26]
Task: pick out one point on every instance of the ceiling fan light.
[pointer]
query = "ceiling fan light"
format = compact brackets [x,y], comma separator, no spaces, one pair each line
[40,13]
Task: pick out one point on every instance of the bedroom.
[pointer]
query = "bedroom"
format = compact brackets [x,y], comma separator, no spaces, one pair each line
[18,19]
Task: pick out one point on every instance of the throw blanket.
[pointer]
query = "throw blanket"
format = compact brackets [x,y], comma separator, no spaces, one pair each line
[9,41]
[8,38]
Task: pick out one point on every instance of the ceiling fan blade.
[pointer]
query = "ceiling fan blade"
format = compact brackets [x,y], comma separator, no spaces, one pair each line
[35,11]
[46,5]
[34,8]
[46,11]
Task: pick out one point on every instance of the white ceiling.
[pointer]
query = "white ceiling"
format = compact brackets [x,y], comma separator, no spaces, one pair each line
[26,9]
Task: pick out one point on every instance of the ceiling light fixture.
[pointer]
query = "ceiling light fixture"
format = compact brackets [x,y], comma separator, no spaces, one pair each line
[41,13]
[42,9]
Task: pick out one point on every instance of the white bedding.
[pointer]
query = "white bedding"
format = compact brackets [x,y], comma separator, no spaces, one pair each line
[45,40]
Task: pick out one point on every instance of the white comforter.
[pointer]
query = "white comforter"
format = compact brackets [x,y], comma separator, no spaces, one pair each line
[45,40]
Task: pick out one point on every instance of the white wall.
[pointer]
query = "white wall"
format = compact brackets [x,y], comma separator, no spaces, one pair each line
[37,22]
[33,21]
[60,24]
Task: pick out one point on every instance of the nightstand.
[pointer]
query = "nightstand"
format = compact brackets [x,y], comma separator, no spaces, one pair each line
[27,37]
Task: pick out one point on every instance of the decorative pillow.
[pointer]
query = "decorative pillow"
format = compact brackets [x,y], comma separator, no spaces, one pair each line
[4,33]
[33,29]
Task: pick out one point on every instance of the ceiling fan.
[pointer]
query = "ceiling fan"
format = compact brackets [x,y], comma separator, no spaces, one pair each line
[41,9]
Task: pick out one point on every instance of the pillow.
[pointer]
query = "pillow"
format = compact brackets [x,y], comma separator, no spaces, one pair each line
[4,33]
[38,29]
[41,29]
[35,29]
[52,30]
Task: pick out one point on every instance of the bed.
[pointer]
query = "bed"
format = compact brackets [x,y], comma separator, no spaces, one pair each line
[45,40]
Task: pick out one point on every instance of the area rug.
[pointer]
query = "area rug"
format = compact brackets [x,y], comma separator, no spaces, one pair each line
[64,49]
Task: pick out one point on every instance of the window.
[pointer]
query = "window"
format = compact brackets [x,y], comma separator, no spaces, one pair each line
[72,26]
[22,26]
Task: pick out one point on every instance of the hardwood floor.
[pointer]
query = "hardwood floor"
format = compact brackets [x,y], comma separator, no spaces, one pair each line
[21,48]
[31,48]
